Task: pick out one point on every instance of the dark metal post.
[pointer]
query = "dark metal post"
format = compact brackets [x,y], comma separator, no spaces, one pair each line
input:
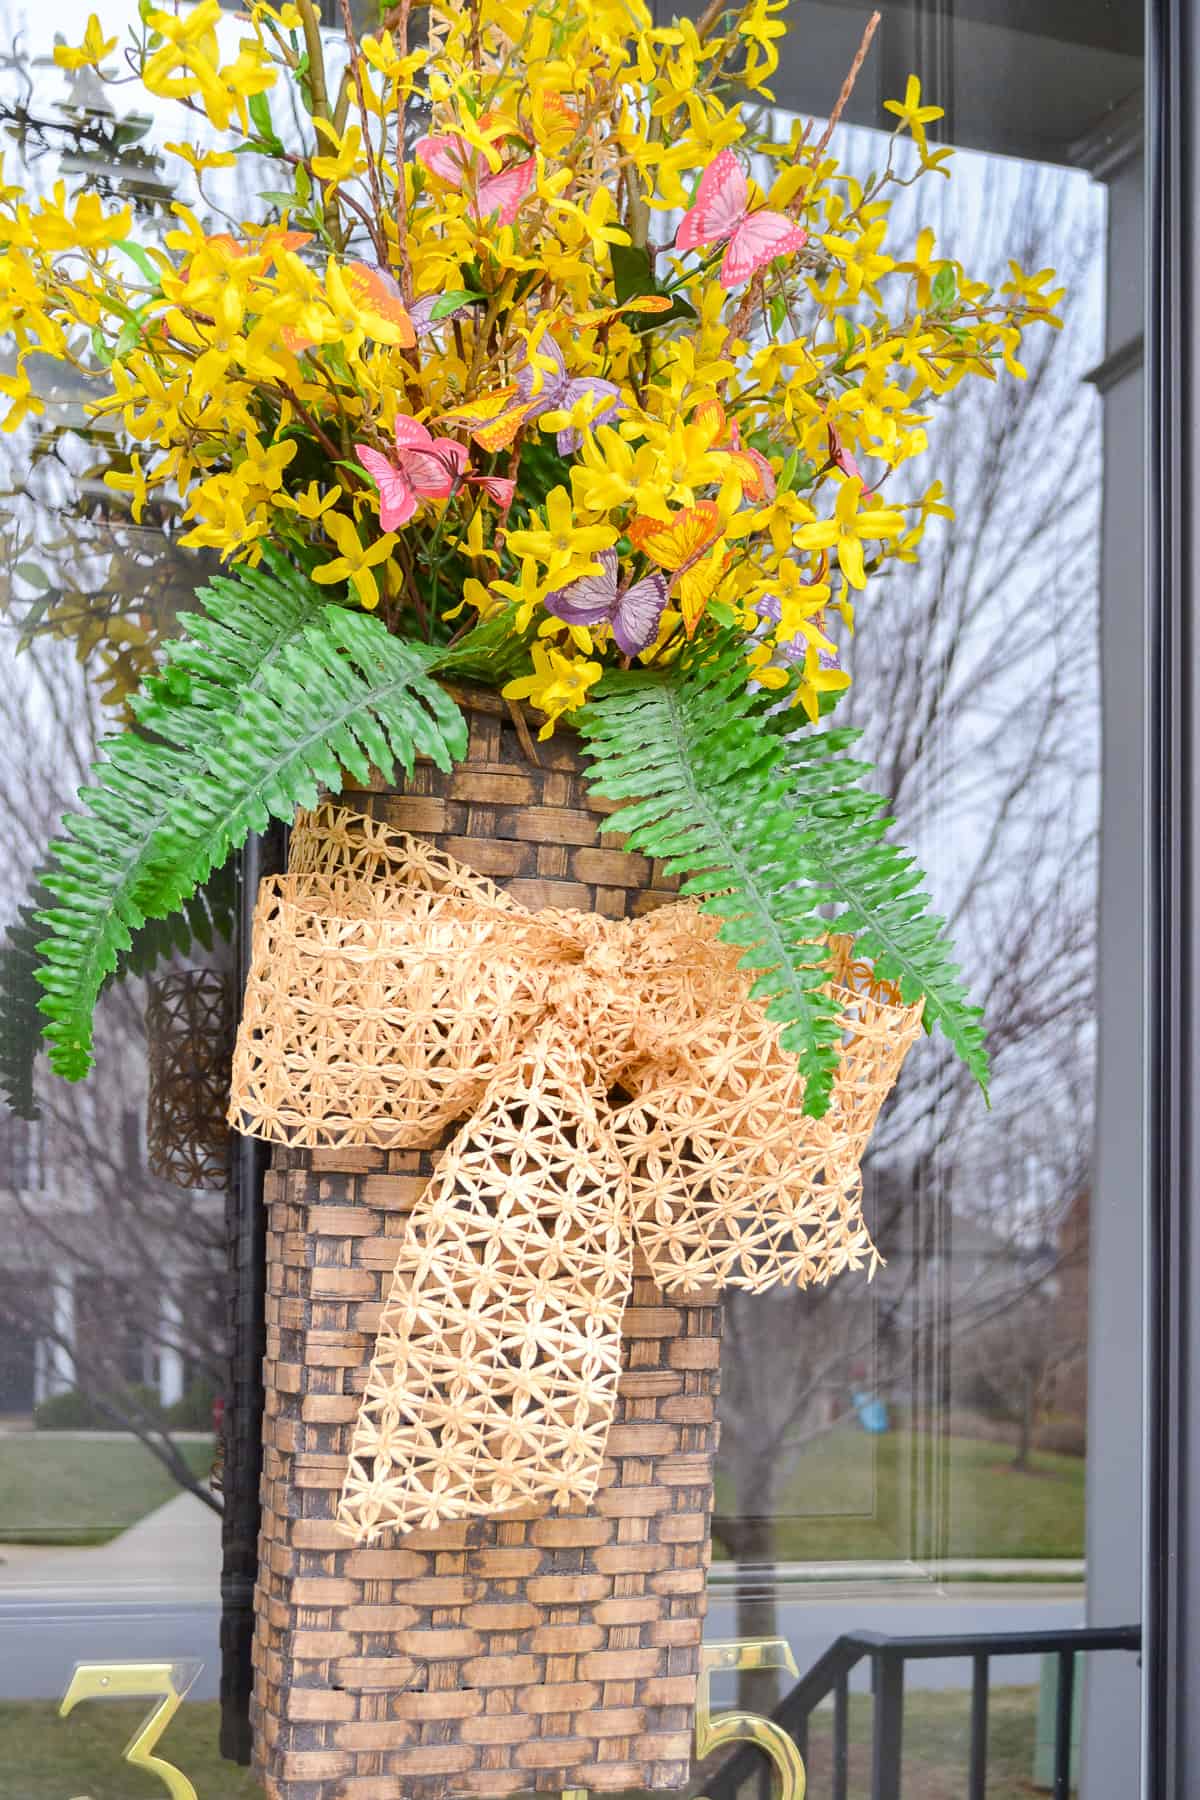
[977,1776]
[246,1247]
[841,1724]
[887,1679]
[1171,1733]
[1064,1718]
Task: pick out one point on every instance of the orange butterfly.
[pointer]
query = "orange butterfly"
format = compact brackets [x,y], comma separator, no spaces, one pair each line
[753,470]
[640,303]
[493,420]
[377,296]
[684,544]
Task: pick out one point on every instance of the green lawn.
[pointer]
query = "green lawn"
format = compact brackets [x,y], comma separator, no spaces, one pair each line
[854,1495]
[57,1490]
[47,1758]
[44,1757]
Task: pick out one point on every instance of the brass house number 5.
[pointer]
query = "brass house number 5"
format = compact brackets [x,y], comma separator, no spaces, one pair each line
[168,1683]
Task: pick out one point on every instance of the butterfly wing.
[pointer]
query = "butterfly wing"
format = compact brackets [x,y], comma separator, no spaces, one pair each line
[543,387]
[430,465]
[421,314]
[493,420]
[844,459]
[709,415]
[637,613]
[381,307]
[397,501]
[499,434]
[697,587]
[431,473]
[606,399]
[675,542]
[591,598]
[756,241]
[504,191]
[754,472]
[719,206]
[445,156]
[498,488]
[411,434]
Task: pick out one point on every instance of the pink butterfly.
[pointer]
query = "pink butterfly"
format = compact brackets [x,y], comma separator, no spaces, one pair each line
[720,216]
[498,487]
[426,468]
[453,161]
[844,459]
[596,599]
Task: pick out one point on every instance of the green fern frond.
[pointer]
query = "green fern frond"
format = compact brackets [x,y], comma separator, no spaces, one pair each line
[700,782]
[20,1023]
[877,888]
[207,915]
[270,694]
[779,838]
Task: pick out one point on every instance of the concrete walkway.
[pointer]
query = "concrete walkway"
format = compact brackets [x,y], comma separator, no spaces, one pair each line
[174,1553]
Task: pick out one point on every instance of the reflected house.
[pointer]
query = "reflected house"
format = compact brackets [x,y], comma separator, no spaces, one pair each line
[111,1279]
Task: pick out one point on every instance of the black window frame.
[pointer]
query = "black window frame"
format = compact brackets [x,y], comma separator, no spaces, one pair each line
[1171,1721]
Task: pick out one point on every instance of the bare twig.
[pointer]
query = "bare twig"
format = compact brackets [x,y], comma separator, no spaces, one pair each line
[848,85]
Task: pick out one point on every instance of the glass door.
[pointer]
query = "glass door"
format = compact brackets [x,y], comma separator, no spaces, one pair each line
[929,1487]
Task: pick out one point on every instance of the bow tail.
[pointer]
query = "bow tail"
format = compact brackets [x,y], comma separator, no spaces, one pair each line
[495,1371]
[730,1183]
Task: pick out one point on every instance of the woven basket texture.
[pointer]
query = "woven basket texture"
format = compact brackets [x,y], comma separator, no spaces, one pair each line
[536,1651]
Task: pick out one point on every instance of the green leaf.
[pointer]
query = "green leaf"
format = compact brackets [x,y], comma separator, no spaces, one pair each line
[633,276]
[451,302]
[131,130]
[20,1021]
[268,695]
[633,271]
[303,184]
[32,575]
[137,255]
[786,478]
[128,338]
[264,125]
[944,288]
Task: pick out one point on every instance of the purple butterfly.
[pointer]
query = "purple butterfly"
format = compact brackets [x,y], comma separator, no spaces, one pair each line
[553,390]
[596,599]
[793,649]
[421,314]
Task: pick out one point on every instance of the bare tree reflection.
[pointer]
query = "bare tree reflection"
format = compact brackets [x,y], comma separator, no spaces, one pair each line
[977,692]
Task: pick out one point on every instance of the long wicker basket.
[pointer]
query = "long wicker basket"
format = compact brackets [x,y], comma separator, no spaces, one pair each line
[539,1651]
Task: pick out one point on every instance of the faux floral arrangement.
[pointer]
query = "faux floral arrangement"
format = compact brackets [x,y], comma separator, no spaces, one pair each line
[542,368]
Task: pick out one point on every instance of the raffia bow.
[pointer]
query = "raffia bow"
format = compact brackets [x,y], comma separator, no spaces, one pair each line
[602,1082]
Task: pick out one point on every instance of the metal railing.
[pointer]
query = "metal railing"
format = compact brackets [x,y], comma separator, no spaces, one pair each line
[830,1677]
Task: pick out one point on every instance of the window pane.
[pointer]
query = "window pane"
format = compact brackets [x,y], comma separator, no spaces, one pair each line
[951,1450]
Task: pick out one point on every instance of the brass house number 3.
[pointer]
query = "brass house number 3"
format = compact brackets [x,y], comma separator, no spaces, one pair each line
[168,1683]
